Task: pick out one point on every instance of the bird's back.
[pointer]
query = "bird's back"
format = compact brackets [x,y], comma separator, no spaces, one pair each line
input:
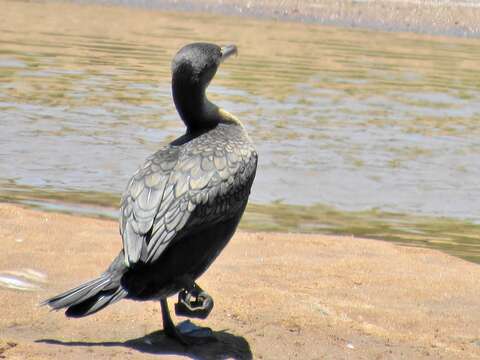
[194,182]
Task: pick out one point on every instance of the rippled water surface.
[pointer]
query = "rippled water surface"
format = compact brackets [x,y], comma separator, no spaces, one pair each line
[349,119]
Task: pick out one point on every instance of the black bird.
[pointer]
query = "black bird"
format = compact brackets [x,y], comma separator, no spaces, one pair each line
[180,208]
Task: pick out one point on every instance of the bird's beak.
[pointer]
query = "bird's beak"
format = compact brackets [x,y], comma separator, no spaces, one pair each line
[227,51]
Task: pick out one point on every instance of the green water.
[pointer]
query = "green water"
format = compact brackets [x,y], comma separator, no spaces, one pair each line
[363,133]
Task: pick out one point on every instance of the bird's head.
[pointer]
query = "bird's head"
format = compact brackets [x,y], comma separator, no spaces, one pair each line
[195,64]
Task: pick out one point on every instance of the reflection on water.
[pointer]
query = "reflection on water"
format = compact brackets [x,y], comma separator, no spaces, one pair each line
[353,119]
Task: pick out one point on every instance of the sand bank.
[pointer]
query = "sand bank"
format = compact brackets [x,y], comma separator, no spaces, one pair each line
[277,296]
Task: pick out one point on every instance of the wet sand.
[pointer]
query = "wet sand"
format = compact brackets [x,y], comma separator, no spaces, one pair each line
[441,17]
[277,296]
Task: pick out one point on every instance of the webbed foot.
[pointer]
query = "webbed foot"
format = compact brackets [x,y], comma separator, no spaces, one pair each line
[195,303]
[192,334]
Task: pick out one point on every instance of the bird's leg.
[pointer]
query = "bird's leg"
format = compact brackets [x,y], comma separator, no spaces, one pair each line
[186,332]
[168,326]
[193,301]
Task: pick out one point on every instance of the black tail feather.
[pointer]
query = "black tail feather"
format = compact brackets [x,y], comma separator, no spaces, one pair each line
[90,297]
[93,304]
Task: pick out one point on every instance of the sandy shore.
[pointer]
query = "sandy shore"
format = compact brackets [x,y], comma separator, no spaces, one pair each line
[441,17]
[277,296]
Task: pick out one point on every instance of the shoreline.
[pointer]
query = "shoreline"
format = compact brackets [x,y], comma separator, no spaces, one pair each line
[431,17]
[450,235]
[345,297]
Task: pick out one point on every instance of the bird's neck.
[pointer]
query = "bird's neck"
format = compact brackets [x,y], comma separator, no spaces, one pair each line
[196,111]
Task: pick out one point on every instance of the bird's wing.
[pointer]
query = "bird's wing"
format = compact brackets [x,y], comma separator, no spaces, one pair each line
[204,185]
[141,201]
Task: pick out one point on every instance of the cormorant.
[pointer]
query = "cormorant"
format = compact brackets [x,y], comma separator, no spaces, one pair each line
[180,208]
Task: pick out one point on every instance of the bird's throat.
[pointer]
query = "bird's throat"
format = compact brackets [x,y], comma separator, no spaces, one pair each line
[196,111]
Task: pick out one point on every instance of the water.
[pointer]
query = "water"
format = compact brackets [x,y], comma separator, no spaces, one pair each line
[353,120]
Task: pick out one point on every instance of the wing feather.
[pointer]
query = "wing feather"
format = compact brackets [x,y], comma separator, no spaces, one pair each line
[141,201]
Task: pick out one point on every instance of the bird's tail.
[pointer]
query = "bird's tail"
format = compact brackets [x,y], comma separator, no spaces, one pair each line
[90,297]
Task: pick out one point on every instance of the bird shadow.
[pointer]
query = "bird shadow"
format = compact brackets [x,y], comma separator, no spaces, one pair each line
[227,346]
